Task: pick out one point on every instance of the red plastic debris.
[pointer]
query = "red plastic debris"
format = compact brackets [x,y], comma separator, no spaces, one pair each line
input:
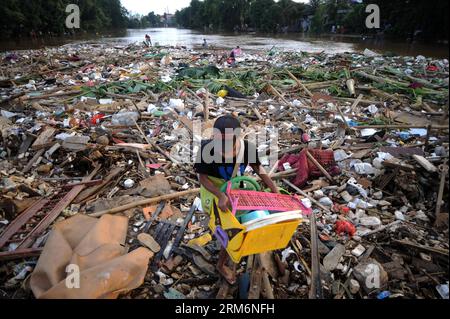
[95,120]
[74,58]
[341,209]
[306,138]
[432,68]
[324,237]
[154,166]
[345,227]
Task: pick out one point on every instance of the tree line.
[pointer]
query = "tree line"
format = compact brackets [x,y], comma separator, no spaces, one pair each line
[48,17]
[399,18]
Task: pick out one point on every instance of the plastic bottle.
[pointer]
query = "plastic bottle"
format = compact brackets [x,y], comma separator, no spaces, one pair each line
[383,295]
[125,119]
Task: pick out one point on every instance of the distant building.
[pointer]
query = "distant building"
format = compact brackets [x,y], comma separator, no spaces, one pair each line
[170,18]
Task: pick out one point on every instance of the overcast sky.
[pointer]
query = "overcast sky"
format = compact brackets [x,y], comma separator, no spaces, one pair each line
[160,6]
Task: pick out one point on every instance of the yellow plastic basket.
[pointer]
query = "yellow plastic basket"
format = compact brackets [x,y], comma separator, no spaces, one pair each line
[239,242]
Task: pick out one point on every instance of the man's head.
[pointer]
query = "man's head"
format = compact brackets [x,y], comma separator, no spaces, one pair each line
[226,131]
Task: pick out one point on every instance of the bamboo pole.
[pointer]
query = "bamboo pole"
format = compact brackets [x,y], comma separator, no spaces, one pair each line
[300,84]
[159,149]
[320,167]
[46,96]
[274,90]
[149,201]
[206,106]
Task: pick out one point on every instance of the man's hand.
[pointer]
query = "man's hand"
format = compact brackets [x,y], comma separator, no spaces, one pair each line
[224,203]
[266,178]
[275,190]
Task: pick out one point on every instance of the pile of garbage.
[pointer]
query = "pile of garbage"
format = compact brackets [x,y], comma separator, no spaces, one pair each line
[90,131]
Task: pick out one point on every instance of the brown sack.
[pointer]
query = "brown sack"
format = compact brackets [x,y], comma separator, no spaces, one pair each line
[96,246]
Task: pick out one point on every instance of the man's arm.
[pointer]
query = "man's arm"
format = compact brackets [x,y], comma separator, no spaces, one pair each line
[261,172]
[224,202]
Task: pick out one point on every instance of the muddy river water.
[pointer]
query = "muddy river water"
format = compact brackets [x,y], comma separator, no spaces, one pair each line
[191,38]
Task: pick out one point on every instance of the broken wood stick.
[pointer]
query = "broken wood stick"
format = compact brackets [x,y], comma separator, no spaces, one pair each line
[343,117]
[275,91]
[20,254]
[33,160]
[258,115]
[280,175]
[206,106]
[408,243]
[46,96]
[256,280]
[362,101]
[397,222]
[125,97]
[300,84]
[296,245]
[356,103]
[320,167]
[444,172]
[267,291]
[316,284]
[45,138]
[411,78]
[94,190]
[298,190]
[159,149]
[146,202]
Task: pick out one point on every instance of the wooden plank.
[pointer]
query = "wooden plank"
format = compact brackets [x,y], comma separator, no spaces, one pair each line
[316,284]
[21,220]
[44,139]
[54,213]
[425,163]
[30,164]
[223,290]
[256,281]
[267,291]
[93,190]
[268,264]
[21,253]
[26,145]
